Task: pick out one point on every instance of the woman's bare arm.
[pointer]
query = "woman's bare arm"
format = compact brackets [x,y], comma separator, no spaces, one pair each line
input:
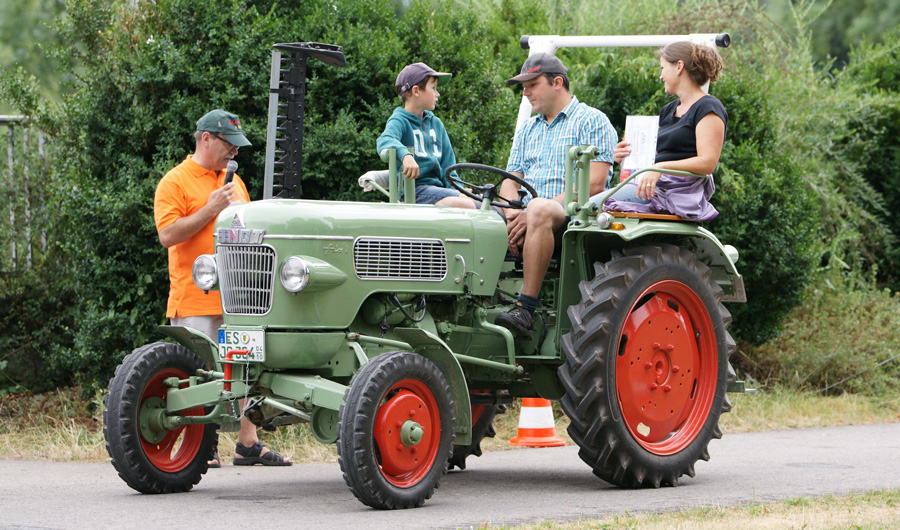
[710,133]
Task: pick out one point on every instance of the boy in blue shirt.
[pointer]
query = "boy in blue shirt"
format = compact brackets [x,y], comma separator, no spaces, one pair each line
[415,126]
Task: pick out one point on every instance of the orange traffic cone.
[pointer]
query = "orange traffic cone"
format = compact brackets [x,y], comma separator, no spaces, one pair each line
[536,427]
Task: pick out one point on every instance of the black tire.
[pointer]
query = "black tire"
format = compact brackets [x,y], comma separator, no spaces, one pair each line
[155,461]
[482,427]
[644,409]
[382,470]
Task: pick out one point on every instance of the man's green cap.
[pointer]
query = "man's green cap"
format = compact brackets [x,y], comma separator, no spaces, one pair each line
[226,124]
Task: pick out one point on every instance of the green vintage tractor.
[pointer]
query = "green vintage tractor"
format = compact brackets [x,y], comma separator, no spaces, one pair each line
[373,323]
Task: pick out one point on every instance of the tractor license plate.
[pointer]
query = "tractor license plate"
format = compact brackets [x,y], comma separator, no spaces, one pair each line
[243,339]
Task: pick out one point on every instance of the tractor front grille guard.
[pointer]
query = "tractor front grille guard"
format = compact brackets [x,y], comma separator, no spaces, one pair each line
[246,278]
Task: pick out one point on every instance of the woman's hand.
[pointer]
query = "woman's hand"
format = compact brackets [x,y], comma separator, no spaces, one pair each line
[622,150]
[647,185]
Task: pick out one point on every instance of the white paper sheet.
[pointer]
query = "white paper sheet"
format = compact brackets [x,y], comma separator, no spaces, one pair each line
[640,132]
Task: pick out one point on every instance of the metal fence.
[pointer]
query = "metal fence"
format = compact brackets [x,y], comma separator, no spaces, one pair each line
[25,216]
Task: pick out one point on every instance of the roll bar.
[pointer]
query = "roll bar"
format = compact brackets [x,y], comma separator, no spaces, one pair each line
[551,43]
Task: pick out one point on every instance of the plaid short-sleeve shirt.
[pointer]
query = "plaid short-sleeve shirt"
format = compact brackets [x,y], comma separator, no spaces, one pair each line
[539,150]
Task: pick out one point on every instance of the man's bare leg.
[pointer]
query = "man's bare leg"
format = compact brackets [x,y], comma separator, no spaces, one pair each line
[248,437]
[544,218]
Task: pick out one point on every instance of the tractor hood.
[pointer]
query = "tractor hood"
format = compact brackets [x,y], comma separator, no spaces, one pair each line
[350,250]
[283,217]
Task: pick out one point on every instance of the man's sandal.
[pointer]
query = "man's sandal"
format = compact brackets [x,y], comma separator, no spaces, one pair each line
[214,462]
[252,455]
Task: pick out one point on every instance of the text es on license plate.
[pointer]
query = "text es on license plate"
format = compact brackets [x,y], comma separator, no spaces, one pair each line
[243,339]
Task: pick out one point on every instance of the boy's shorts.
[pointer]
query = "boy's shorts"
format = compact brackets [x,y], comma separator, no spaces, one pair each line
[427,194]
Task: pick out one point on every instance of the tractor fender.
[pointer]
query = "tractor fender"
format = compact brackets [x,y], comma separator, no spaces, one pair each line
[431,346]
[195,341]
[720,258]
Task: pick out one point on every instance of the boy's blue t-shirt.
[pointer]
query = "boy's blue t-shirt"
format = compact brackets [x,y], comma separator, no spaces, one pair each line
[428,138]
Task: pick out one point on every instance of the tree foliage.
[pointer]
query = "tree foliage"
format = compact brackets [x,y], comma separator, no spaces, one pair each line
[870,146]
[835,27]
[25,32]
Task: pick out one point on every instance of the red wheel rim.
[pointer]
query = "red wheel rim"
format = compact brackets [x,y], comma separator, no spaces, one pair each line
[667,367]
[404,464]
[168,455]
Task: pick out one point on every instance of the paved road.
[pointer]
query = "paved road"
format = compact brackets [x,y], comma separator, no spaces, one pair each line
[500,487]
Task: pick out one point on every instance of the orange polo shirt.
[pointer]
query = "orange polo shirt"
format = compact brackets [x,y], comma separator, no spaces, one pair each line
[182,192]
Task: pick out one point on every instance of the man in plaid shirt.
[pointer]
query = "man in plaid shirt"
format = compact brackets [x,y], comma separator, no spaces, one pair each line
[538,156]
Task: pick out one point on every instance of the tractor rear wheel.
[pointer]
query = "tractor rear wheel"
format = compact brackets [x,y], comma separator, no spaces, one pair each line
[646,366]
[482,427]
[149,457]
[396,431]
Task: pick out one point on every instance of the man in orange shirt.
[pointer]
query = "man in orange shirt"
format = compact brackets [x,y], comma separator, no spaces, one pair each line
[188,200]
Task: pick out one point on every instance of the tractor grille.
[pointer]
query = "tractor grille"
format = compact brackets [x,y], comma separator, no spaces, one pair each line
[246,278]
[389,258]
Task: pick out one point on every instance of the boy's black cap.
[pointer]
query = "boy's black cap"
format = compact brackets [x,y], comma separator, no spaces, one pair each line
[537,65]
[415,73]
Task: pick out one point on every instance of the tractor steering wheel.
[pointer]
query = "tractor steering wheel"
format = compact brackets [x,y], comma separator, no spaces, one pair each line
[490,191]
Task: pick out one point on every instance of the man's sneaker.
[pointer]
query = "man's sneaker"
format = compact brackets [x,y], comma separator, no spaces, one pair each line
[518,320]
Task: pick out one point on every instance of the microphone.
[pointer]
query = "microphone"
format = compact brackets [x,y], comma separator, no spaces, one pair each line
[232,167]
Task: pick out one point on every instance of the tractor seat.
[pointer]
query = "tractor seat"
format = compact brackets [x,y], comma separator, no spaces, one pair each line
[651,216]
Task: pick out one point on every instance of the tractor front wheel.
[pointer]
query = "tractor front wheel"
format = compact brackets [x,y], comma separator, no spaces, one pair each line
[646,366]
[149,457]
[396,431]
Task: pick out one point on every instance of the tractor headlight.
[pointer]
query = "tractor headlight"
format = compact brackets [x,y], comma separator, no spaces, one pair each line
[604,220]
[294,274]
[204,272]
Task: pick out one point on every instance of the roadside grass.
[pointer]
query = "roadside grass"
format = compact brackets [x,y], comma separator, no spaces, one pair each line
[56,426]
[862,511]
[59,426]
[786,409]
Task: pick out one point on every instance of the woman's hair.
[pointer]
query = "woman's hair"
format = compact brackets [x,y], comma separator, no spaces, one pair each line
[703,63]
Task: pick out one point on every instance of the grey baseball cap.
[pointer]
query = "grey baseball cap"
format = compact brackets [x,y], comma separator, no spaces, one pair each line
[415,73]
[537,65]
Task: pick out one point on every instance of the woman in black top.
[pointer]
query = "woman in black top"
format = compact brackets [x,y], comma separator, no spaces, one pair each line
[691,135]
